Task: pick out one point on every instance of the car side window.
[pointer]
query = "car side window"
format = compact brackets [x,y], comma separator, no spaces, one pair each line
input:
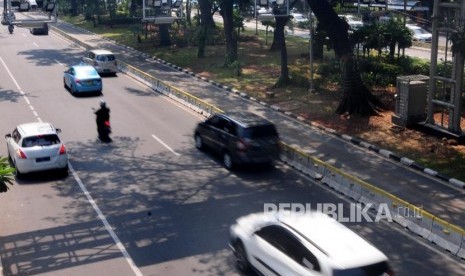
[231,128]
[213,121]
[287,243]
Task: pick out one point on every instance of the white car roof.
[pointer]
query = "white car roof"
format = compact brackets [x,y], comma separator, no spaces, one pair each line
[36,128]
[342,246]
[101,52]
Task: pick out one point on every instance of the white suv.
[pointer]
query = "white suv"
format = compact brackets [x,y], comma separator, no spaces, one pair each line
[303,244]
[103,61]
[36,147]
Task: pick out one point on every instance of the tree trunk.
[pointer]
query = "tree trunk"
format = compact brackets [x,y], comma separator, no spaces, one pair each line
[165,39]
[74,7]
[279,43]
[278,34]
[133,8]
[229,32]
[206,22]
[357,98]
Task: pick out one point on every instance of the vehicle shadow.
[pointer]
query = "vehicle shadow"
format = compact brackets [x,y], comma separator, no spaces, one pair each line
[40,177]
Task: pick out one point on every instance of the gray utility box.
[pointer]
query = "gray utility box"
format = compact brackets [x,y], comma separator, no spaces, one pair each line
[410,100]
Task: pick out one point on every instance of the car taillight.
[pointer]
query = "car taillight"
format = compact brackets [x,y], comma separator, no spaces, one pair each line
[107,123]
[21,154]
[77,80]
[62,149]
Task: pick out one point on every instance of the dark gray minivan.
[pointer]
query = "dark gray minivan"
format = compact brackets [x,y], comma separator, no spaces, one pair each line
[239,137]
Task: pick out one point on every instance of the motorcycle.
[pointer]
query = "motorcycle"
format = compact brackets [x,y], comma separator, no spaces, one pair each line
[103,124]
[104,132]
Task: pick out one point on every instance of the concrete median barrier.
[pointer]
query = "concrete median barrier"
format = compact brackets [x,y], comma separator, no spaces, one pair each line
[302,161]
[342,183]
[447,236]
[461,252]
[416,220]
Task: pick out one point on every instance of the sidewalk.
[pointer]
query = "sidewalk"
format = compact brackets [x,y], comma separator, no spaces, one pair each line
[397,175]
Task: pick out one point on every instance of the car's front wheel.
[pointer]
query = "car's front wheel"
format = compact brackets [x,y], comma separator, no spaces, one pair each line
[198,142]
[241,257]
[73,89]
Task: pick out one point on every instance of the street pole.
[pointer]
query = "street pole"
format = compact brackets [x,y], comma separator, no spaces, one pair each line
[310,48]
[256,18]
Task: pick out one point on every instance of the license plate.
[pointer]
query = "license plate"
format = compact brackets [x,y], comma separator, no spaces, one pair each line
[43,159]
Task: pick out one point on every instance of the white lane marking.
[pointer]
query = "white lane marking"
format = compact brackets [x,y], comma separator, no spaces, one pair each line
[117,241]
[11,75]
[35,44]
[107,225]
[165,145]
[59,63]
[20,90]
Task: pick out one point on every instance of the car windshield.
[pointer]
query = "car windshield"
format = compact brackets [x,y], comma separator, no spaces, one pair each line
[86,72]
[260,131]
[40,141]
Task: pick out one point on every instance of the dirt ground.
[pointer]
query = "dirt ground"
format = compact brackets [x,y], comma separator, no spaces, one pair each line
[444,155]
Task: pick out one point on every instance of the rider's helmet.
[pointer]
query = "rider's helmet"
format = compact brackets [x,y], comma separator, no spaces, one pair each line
[103,103]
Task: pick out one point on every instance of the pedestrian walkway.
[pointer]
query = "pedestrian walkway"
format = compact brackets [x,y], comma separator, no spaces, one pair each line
[397,175]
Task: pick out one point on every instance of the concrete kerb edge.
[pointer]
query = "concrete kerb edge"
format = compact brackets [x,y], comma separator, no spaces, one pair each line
[449,227]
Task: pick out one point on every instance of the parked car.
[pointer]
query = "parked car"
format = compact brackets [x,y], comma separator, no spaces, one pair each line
[299,18]
[354,22]
[40,30]
[82,78]
[240,138]
[24,5]
[36,147]
[33,4]
[283,243]
[103,61]
[419,34]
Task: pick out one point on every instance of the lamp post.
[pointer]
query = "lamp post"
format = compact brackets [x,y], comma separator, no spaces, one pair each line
[310,48]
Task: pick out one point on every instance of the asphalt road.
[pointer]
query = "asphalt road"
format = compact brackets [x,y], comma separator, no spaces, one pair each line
[140,206]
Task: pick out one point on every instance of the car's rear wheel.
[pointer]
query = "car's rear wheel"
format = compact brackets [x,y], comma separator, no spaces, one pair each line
[65,171]
[198,142]
[227,160]
[242,262]
[18,174]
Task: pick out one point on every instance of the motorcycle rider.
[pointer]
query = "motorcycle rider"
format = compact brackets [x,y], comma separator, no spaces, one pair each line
[102,116]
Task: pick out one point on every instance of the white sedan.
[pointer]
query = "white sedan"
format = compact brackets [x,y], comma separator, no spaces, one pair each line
[36,147]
